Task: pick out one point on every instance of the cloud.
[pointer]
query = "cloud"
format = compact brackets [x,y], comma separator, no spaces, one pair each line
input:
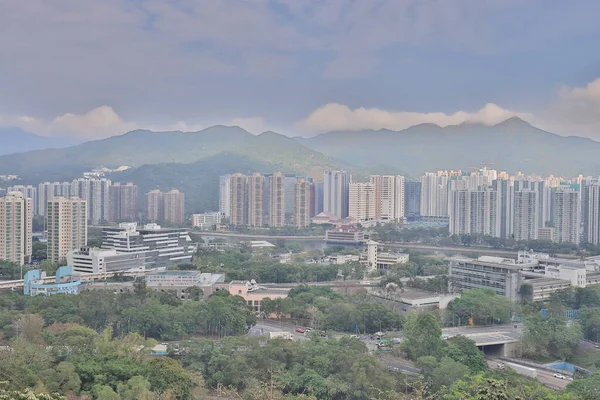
[576,111]
[335,117]
[98,123]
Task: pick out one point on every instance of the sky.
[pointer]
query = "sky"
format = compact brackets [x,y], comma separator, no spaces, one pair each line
[90,69]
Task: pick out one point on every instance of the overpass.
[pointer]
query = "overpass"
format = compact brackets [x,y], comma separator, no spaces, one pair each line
[84,278]
[499,340]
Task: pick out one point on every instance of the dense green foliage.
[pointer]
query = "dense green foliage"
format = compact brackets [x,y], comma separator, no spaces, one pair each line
[550,335]
[323,308]
[245,264]
[152,314]
[484,306]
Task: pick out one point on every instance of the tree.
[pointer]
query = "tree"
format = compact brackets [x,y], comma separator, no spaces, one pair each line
[463,350]
[550,335]
[136,388]
[29,326]
[27,394]
[483,305]
[168,374]
[63,379]
[586,389]
[105,392]
[422,336]
[447,372]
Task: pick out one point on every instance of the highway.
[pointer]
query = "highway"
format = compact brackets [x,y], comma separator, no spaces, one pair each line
[544,376]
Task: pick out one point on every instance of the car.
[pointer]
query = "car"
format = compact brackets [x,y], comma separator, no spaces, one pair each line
[300,330]
[355,336]
[307,329]
[569,378]
[597,346]
[559,376]
[501,366]
[323,334]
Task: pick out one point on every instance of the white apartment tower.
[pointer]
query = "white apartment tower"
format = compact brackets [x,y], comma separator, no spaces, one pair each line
[66,221]
[302,203]
[16,214]
[591,214]
[473,212]
[173,207]
[434,194]
[225,196]
[277,200]
[525,224]
[154,204]
[256,196]
[362,202]
[335,193]
[389,193]
[565,215]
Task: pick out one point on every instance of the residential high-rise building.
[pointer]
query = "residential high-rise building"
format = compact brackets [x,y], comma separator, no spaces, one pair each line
[389,197]
[66,221]
[154,205]
[302,203]
[318,198]
[16,215]
[173,207]
[473,212]
[238,189]
[256,196]
[591,214]
[525,224]
[565,215]
[434,194]
[362,200]
[123,202]
[290,196]
[49,190]
[225,196]
[504,204]
[277,200]
[412,199]
[335,193]
[28,192]
[97,194]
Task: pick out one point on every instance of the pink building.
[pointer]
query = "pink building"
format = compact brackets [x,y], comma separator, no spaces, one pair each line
[254,294]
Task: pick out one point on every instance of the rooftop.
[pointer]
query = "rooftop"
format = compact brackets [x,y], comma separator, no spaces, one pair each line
[174,272]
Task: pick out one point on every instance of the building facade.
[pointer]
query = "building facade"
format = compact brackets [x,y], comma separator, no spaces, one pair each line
[362,202]
[66,223]
[123,202]
[206,220]
[412,199]
[302,203]
[336,188]
[16,215]
[565,215]
[525,223]
[256,200]
[238,190]
[389,197]
[277,200]
[173,207]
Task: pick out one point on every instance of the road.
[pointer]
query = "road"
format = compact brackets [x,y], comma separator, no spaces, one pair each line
[545,377]
[255,236]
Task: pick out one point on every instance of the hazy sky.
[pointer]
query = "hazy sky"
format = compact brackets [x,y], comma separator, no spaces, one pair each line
[97,68]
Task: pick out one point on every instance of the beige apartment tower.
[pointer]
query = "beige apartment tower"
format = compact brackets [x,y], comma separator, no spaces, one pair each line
[256,199]
[389,197]
[277,201]
[154,204]
[302,210]
[238,188]
[66,221]
[16,215]
[174,207]
[362,202]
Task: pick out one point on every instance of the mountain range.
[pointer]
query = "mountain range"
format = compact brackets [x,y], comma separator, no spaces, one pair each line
[513,145]
[192,161]
[14,140]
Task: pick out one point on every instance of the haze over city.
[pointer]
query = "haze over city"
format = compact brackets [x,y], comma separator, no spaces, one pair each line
[299,200]
[89,70]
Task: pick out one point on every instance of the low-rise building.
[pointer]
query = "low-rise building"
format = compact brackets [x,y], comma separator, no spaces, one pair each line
[546,233]
[382,260]
[173,278]
[343,235]
[35,282]
[254,294]
[206,220]
[343,259]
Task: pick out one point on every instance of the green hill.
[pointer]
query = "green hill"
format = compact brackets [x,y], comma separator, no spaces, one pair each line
[513,145]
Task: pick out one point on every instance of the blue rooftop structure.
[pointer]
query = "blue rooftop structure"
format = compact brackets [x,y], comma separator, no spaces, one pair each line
[34,282]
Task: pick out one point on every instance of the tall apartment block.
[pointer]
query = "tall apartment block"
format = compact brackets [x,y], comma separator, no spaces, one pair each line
[48,191]
[277,200]
[256,200]
[318,189]
[362,201]
[225,196]
[28,192]
[412,199]
[97,194]
[473,212]
[302,203]
[565,215]
[525,215]
[154,205]
[434,194]
[591,214]
[173,207]
[238,189]
[336,187]
[16,214]
[123,202]
[389,197]
[66,221]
